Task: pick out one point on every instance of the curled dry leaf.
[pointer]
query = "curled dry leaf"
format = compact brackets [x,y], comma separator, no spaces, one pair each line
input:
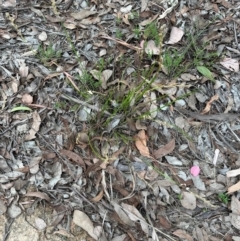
[35,127]
[209,103]
[165,150]
[175,35]
[141,143]
[83,221]
[98,197]
[188,200]
[74,157]
[27,99]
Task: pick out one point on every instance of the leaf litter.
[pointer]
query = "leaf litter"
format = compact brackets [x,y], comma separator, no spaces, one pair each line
[133,135]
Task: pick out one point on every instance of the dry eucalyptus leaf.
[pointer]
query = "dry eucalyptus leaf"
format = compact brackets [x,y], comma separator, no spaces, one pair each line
[135,215]
[122,215]
[144,4]
[42,36]
[126,9]
[175,35]
[188,200]
[233,173]
[141,143]
[198,183]
[234,188]
[83,221]
[172,160]
[165,150]
[41,195]
[183,234]
[231,64]
[82,14]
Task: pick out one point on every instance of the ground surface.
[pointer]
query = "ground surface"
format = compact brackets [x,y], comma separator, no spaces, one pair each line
[119,120]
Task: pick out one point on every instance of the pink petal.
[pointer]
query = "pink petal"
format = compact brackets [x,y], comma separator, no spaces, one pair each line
[195,170]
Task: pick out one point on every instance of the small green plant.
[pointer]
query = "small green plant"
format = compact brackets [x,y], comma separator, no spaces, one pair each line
[48,53]
[137,32]
[133,15]
[151,32]
[224,198]
[179,196]
[194,54]
[119,33]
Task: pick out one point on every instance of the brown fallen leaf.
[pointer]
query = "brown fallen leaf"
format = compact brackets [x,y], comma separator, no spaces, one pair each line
[74,157]
[165,150]
[141,143]
[34,128]
[183,234]
[164,222]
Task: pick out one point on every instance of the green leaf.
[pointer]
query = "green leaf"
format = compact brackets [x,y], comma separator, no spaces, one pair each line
[20,108]
[205,72]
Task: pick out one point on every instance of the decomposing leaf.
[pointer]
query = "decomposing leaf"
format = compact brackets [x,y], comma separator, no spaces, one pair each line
[74,157]
[14,211]
[83,221]
[165,150]
[198,183]
[141,143]
[35,127]
[3,207]
[40,224]
[183,234]
[188,200]
[175,35]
